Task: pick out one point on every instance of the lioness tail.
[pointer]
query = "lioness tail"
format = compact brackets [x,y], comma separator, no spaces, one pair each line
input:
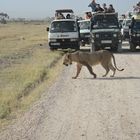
[115,63]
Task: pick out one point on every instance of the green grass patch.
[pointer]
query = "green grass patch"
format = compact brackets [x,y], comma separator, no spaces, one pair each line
[26,67]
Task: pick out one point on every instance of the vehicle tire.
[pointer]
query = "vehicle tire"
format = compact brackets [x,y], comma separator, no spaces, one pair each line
[119,47]
[114,48]
[82,43]
[77,47]
[132,47]
[53,49]
[92,47]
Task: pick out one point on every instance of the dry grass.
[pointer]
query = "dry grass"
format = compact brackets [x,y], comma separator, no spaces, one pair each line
[24,65]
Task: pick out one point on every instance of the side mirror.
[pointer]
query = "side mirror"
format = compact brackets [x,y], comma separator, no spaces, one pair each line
[47,29]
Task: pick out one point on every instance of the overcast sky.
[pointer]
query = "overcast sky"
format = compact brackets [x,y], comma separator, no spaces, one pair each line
[45,8]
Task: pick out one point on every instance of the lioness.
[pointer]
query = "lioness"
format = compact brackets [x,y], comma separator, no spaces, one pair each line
[89,59]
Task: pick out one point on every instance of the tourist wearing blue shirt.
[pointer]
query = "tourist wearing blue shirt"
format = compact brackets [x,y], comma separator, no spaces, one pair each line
[93,5]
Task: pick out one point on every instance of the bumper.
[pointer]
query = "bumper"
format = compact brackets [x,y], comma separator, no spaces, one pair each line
[64,44]
[108,42]
[135,40]
[85,40]
[126,35]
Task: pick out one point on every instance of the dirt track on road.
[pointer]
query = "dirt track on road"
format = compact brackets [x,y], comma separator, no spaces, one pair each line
[86,108]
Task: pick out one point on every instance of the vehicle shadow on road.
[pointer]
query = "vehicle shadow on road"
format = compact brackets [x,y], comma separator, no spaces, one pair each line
[115,78]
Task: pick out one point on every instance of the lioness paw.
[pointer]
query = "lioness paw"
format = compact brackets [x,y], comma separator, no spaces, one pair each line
[74,77]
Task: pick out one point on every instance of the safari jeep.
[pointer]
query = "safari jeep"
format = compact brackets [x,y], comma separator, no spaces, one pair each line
[105,31]
[64,31]
[84,31]
[135,33]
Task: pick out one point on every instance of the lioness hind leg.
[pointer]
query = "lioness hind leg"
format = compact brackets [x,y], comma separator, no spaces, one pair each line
[106,67]
[79,67]
[113,69]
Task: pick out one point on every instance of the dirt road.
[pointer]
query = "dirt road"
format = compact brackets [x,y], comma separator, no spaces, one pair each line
[86,108]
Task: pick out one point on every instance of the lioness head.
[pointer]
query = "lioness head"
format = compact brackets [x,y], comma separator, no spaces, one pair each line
[67,60]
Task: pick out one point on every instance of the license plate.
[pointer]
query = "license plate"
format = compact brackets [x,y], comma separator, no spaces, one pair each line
[106,41]
[55,43]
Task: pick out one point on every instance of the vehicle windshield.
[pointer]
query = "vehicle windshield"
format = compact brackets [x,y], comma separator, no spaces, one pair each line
[63,26]
[137,25]
[84,25]
[101,22]
[121,21]
[127,23]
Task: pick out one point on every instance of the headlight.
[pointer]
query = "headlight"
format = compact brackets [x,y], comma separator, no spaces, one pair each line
[133,34]
[52,40]
[73,39]
[97,35]
[138,35]
[120,41]
[114,35]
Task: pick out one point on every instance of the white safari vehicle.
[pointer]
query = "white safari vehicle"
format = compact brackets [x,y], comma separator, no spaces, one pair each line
[84,31]
[63,31]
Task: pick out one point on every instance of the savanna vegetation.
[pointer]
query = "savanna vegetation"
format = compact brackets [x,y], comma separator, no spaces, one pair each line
[26,67]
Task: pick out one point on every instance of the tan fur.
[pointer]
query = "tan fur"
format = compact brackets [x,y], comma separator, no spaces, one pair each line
[88,59]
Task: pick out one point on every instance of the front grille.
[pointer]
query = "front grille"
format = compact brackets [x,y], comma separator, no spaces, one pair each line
[63,40]
[106,36]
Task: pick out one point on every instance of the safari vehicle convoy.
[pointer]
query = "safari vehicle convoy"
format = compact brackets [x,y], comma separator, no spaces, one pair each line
[99,30]
[105,32]
[64,32]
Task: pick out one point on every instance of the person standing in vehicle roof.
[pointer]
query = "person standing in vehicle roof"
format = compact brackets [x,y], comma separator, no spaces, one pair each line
[99,8]
[104,7]
[111,9]
[93,5]
[137,8]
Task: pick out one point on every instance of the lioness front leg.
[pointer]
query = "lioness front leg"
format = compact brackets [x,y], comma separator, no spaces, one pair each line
[79,67]
[89,68]
[91,71]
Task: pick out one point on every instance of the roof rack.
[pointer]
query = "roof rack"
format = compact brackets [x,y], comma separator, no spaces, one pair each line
[64,11]
[104,13]
[64,14]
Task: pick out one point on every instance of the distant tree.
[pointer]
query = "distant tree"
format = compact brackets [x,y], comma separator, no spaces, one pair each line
[3,17]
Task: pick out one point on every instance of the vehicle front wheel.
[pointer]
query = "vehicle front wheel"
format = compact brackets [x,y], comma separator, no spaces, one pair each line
[53,49]
[82,43]
[114,48]
[119,47]
[132,47]
[77,47]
